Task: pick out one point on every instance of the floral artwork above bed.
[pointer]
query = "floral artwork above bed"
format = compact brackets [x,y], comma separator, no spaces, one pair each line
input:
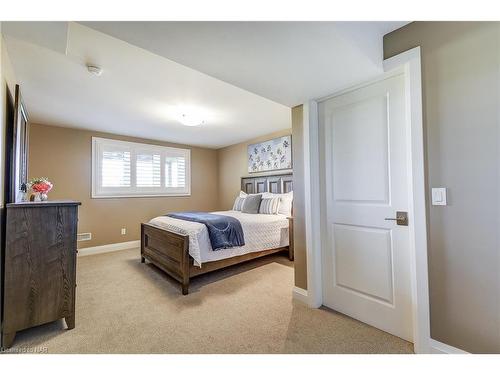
[270,155]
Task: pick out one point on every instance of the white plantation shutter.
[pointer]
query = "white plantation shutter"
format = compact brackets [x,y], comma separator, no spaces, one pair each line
[175,172]
[128,169]
[115,171]
[148,169]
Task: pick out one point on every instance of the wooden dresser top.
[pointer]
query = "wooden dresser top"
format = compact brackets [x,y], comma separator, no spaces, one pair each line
[43,204]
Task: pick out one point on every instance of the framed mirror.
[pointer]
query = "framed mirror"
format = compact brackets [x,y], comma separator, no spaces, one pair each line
[17,148]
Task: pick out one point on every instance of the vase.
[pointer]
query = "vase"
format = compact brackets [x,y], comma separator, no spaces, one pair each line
[43,197]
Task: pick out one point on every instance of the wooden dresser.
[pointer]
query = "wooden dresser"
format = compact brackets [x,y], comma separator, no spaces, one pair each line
[40,265]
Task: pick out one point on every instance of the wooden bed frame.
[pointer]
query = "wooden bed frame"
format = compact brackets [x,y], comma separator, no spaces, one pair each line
[169,251]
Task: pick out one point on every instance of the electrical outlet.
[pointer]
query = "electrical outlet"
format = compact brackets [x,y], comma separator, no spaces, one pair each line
[124,231]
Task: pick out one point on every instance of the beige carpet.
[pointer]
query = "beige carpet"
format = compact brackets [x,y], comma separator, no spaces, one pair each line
[124,306]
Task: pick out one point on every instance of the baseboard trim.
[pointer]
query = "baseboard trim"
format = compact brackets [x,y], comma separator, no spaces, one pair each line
[300,294]
[438,347]
[108,248]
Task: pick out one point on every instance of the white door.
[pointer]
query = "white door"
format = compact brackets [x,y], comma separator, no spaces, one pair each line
[366,258]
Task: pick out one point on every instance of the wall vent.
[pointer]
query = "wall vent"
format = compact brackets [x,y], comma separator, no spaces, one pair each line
[84,236]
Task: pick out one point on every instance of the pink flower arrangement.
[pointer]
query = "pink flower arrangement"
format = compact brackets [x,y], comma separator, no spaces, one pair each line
[41,185]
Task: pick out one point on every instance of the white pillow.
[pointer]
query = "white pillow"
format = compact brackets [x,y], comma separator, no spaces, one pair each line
[285,207]
[238,203]
[269,206]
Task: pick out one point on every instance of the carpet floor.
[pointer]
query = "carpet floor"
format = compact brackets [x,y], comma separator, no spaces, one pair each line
[124,306]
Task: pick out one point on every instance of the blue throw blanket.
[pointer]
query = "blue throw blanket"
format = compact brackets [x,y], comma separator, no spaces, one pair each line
[224,231]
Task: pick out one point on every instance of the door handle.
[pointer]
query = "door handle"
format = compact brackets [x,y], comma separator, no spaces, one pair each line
[400,219]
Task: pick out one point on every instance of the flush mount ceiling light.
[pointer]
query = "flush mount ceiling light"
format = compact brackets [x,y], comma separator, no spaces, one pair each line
[190,120]
[94,69]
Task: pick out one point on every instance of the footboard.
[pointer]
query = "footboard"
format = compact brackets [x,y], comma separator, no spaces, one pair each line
[168,251]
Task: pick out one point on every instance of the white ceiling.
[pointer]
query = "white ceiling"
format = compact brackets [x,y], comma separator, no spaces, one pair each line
[288,62]
[142,91]
[138,94]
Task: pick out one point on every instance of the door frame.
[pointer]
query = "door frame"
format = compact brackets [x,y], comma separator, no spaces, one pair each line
[408,63]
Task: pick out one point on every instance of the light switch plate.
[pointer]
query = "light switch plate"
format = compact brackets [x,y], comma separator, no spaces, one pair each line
[439,196]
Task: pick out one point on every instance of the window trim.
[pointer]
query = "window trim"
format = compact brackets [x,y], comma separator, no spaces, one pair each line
[134,191]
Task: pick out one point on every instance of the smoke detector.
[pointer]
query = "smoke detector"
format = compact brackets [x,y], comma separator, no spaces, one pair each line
[94,69]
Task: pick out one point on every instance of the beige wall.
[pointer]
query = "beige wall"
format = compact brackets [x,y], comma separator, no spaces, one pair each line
[7,82]
[233,165]
[299,224]
[64,155]
[461,77]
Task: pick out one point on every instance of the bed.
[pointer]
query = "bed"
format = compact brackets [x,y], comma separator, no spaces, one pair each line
[182,250]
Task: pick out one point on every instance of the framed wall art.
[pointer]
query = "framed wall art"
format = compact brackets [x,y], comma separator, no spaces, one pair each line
[272,155]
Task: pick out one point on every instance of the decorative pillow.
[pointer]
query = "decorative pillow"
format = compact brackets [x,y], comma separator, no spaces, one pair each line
[269,206]
[251,204]
[238,203]
[243,194]
[285,207]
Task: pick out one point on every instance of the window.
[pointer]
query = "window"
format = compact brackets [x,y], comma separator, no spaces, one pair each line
[175,172]
[115,168]
[128,169]
[148,169]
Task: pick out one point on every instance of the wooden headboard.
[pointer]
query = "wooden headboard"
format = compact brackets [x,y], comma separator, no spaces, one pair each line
[278,183]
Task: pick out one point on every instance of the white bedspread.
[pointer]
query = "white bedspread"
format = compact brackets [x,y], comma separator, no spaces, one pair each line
[261,232]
